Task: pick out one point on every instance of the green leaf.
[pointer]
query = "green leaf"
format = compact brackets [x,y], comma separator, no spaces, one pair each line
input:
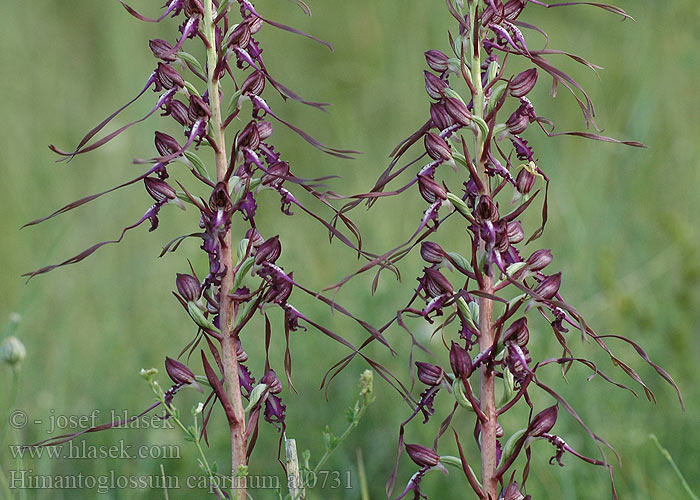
[192,89]
[460,261]
[187,57]
[198,164]
[243,313]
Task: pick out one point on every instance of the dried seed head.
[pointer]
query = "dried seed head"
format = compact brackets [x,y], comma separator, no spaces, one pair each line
[189,287]
[422,456]
[429,374]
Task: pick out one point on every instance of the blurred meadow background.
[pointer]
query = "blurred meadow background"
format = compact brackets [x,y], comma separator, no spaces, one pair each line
[624,228]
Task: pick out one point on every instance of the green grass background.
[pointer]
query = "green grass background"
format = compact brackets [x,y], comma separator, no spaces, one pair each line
[623,228]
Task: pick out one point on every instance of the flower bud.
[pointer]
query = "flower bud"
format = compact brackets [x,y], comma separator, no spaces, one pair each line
[522,84]
[517,123]
[439,115]
[434,86]
[254,84]
[165,144]
[437,61]
[255,238]
[525,181]
[429,374]
[198,108]
[458,111]
[276,174]
[159,190]
[240,37]
[435,283]
[515,232]
[269,251]
[422,456]
[432,252]
[193,8]
[543,421]
[460,361]
[512,9]
[189,287]
[178,110]
[12,351]
[486,209]
[499,430]
[272,382]
[180,373]
[162,50]
[539,259]
[549,286]
[241,355]
[255,24]
[511,493]
[168,77]
[264,129]
[437,147]
[249,136]
[430,190]
[518,332]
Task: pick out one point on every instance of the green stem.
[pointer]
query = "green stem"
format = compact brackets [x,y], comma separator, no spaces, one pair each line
[678,472]
[226,310]
[486,334]
[342,438]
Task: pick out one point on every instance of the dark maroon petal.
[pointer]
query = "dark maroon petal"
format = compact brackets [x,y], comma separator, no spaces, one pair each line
[543,421]
[460,361]
[539,260]
[189,287]
[422,456]
[429,374]
[437,61]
